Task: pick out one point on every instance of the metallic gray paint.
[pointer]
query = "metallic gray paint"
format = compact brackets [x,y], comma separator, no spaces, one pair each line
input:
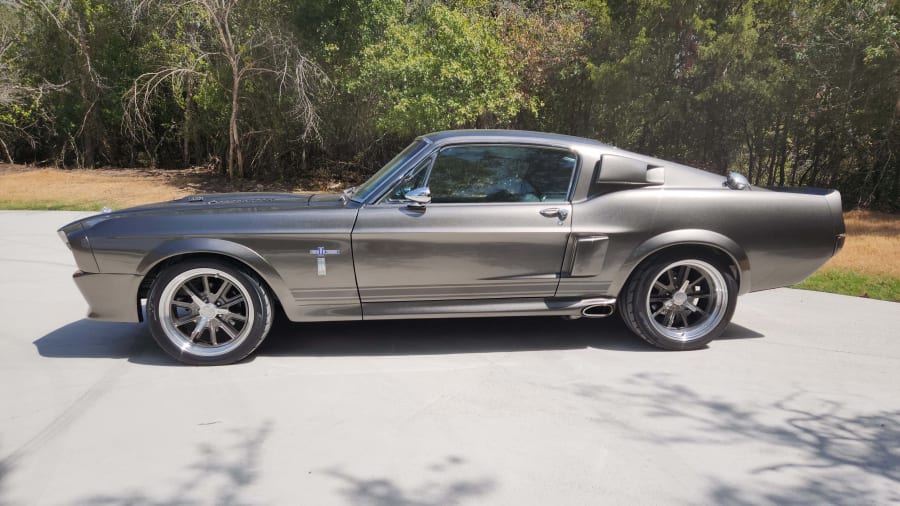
[464,259]
[108,295]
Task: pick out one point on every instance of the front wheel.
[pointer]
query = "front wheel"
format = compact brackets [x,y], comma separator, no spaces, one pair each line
[678,302]
[208,312]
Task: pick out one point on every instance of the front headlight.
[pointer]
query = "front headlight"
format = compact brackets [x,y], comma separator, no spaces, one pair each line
[65,237]
[75,238]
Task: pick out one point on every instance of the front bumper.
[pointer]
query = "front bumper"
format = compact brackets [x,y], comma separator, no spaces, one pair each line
[110,297]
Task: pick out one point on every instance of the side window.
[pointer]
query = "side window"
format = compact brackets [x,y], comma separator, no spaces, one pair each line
[493,173]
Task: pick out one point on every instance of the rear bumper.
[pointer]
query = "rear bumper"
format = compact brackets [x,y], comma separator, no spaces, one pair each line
[110,297]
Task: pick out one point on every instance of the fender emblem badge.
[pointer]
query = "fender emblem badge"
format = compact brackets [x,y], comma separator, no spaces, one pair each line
[320,253]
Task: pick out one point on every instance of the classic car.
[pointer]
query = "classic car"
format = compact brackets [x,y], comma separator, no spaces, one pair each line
[459,224]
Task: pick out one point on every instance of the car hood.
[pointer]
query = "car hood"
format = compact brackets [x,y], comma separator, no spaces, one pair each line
[230,202]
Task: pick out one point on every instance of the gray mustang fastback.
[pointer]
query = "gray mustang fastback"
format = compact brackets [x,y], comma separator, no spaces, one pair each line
[459,224]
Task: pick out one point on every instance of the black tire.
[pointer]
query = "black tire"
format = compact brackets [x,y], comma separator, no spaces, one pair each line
[232,308]
[674,313]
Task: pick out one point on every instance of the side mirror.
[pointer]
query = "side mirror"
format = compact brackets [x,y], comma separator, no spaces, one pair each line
[418,196]
[736,181]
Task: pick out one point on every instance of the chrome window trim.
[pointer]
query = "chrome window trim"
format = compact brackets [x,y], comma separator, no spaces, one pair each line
[576,172]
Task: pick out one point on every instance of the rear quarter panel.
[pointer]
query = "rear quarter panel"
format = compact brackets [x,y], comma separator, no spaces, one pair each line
[776,238]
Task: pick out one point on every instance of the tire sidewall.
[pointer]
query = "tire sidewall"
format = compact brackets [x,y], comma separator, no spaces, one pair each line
[638,319]
[259,298]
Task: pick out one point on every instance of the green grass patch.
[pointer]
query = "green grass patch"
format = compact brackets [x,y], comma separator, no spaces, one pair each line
[853,283]
[49,205]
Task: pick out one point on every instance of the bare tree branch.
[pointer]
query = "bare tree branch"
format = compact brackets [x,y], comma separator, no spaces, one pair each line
[247,53]
[13,92]
[138,98]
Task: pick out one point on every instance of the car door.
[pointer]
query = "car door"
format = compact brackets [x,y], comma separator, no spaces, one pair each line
[496,226]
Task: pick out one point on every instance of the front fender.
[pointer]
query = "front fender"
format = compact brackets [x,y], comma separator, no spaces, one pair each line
[685,237]
[219,247]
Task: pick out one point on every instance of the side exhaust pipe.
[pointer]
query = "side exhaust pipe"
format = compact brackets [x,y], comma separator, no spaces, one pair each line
[598,310]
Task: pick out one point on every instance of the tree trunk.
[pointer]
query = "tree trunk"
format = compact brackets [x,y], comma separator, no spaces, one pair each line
[751,153]
[6,152]
[304,165]
[783,154]
[815,157]
[186,129]
[88,100]
[795,163]
[234,139]
[773,155]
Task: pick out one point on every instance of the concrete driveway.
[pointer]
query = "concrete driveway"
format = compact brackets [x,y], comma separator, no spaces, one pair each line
[799,402]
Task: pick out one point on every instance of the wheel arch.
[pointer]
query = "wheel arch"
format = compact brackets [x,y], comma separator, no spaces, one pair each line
[688,240]
[180,250]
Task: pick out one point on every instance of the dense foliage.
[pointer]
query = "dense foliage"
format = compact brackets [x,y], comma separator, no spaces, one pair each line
[803,92]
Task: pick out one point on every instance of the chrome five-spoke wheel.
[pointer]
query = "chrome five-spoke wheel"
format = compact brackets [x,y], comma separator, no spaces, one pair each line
[680,302]
[207,310]
[687,300]
[208,313]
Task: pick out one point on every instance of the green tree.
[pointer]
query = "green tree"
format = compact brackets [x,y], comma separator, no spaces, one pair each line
[83,46]
[443,68]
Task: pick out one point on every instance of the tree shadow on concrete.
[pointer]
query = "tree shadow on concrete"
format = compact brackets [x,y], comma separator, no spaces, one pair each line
[222,474]
[833,490]
[4,472]
[225,471]
[132,341]
[431,492]
[837,453]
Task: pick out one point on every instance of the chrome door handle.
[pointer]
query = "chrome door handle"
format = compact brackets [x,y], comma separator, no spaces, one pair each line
[555,212]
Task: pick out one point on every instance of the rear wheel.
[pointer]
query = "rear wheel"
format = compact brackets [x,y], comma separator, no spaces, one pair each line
[208,312]
[679,302]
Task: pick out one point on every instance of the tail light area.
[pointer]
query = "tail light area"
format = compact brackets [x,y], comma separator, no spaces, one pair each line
[838,243]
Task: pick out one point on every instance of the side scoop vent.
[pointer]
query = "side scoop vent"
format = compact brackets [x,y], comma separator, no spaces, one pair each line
[615,173]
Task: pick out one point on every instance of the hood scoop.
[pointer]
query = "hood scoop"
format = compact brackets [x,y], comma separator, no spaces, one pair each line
[246,200]
[243,198]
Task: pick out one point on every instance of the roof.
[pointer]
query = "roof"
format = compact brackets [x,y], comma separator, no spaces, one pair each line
[676,175]
[507,136]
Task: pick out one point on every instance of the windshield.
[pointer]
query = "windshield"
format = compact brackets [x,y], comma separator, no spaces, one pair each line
[364,191]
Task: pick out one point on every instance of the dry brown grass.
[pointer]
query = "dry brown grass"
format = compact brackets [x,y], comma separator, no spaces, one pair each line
[23,187]
[83,189]
[873,244]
